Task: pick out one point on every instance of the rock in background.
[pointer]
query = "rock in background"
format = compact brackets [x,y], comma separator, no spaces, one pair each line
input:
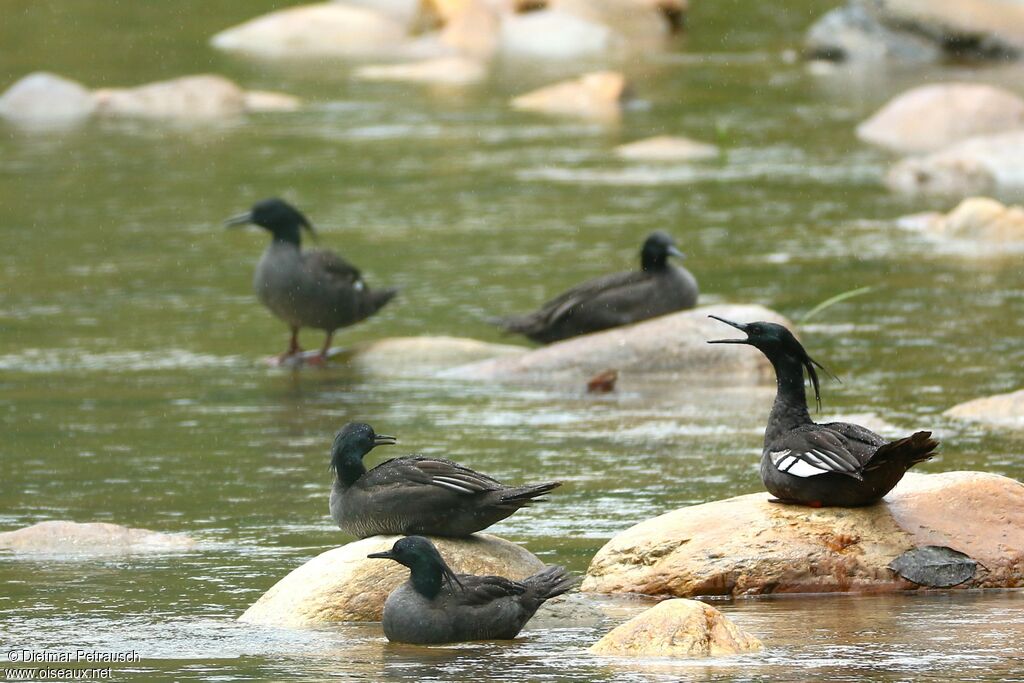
[71,538]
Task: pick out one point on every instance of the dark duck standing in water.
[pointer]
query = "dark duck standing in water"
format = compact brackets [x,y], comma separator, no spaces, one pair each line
[415,494]
[613,300]
[833,464]
[438,606]
[311,288]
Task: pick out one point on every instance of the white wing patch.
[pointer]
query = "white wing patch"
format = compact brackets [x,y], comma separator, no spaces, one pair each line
[359,285]
[809,463]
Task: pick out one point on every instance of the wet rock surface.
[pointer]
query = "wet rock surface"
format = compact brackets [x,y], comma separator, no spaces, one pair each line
[667,148]
[677,628]
[978,165]
[344,585]
[918,31]
[600,95]
[1006,410]
[421,355]
[46,98]
[979,219]
[673,345]
[442,71]
[749,546]
[63,537]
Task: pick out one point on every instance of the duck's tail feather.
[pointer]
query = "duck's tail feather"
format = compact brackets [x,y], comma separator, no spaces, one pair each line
[548,582]
[527,325]
[907,451]
[523,496]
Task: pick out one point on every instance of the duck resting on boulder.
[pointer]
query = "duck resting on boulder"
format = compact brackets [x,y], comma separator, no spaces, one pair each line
[307,288]
[832,464]
[613,300]
[436,605]
[415,494]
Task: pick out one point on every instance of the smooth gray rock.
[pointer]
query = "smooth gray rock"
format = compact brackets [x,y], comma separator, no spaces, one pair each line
[46,98]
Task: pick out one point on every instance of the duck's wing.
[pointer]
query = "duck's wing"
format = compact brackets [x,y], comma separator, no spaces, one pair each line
[481,590]
[444,474]
[856,433]
[335,269]
[608,287]
[807,453]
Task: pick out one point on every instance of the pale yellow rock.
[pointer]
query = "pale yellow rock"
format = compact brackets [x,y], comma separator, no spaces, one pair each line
[667,148]
[976,218]
[442,71]
[979,165]
[677,628]
[324,29]
[421,355]
[470,27]
[999,410]
[670,346]
[344,585]
[1001,19]
[597,95]
[203,96]
[62,537]
[930,117]
[267,101]
[749,546]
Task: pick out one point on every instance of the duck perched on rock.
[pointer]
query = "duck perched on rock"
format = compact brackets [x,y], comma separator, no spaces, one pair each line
[438,606]
[307,288]
[659,287]
[833,464]
[415,494]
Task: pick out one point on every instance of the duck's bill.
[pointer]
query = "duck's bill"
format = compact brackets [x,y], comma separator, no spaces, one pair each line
[385,555]
[674,251]
[384,440]
[240,219]
[739,326]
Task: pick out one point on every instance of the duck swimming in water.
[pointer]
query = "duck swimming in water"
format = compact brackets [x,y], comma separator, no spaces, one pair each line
[832,464]
[307,288]
[415,494]
[659,287]
[436,605]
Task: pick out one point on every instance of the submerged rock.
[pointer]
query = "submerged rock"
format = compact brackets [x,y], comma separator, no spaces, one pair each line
[930,117]
[344,585]
[189,97]
[976,218]
[668,346]
[667,148]
[919,30]
[442,71]
[322,29]
[598,95]
[43,98]
[677,628]
[748,546]
[62,537]
[979,165]
[1004,410]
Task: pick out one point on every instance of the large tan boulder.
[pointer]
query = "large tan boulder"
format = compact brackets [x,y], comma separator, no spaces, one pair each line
[318,30]
[438,71]
[421,355]
[42,98]
[979,219]
[1003,410]
[748,546]
[189,97]
[667,148]
[996,25]
[930,117]
[677,628]
[344,585]
[673,345]
[470,27]
[979,165]
[63,537]
[599,95]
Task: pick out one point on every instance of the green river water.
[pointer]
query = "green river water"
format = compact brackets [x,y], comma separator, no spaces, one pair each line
[130,342]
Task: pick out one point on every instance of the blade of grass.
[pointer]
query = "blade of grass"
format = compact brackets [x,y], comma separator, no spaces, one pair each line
[831,301]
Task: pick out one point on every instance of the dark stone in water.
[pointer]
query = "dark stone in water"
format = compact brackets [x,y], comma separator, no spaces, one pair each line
[935,566]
